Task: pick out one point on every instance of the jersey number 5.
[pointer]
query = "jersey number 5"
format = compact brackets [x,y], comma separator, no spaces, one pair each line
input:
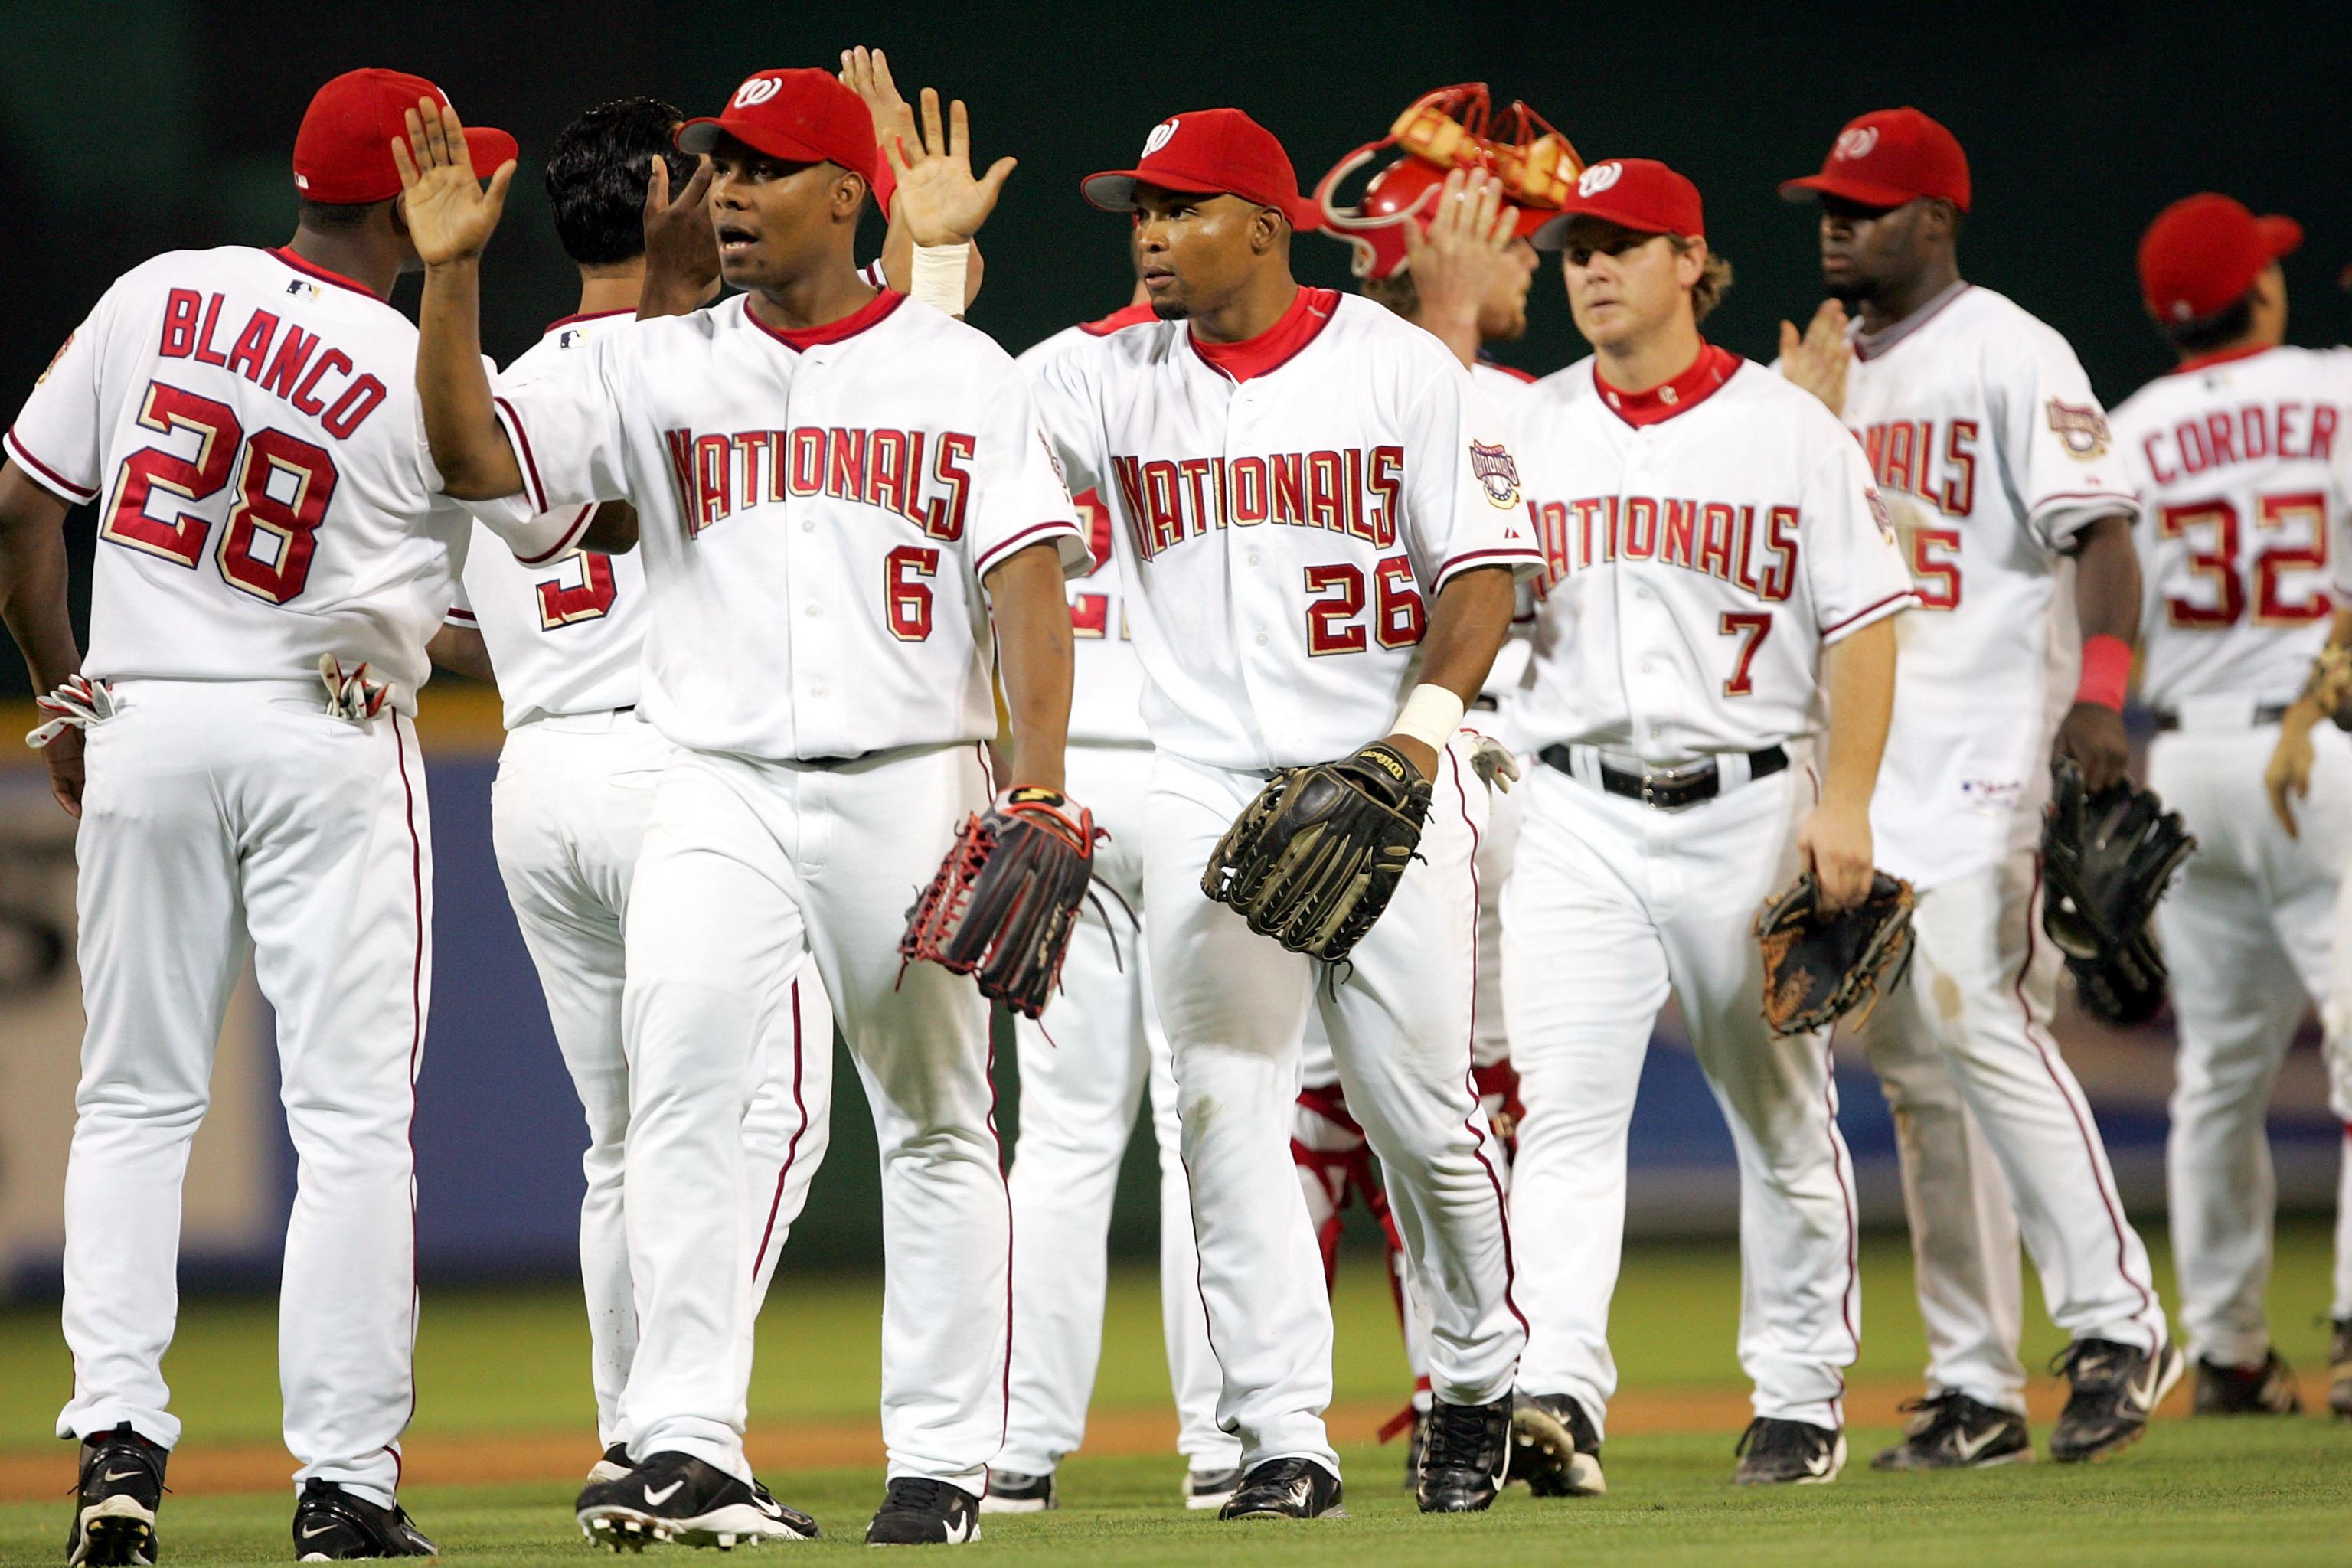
[2219,562]
[281,483]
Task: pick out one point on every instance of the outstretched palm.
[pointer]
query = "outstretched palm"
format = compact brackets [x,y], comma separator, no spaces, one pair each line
[451,215]
[939,200]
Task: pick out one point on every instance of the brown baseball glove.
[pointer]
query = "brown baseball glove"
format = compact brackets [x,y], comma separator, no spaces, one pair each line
[1316,857]
[1819,968]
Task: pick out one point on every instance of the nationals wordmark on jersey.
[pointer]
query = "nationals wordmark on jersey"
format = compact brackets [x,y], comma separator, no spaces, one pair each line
[718,475]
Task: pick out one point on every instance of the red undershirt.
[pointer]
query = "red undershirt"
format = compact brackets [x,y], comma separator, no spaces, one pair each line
[1119,320]
[2222,356]
[1694,386]
[849,326]
[1310,311]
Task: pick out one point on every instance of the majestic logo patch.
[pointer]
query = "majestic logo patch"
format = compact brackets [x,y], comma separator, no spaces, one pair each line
[1855,143]
[758,90]
[1497,473]
[2081,428]
[1598,178]
[1162,134]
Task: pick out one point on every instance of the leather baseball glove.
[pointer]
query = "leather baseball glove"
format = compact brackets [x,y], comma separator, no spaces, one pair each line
[1007,896]
[2106,860]
[1817,967]
[1316,857]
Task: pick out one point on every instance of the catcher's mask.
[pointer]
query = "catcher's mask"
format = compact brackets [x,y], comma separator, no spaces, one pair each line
[1452,127]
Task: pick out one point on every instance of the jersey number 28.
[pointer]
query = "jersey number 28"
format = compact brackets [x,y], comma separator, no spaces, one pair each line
[282,486]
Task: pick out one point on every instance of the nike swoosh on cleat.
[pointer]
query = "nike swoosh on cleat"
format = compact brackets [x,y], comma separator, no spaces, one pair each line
[656,1496]
[1967,1447]
[320,1530]
[1819,1465]
[773,1509]
[121,1475]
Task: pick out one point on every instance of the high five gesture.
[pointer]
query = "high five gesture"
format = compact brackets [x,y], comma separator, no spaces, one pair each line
[451,215]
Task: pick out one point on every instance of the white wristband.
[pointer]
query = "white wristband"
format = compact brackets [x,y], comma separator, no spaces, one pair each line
[937,275]
[1430,716]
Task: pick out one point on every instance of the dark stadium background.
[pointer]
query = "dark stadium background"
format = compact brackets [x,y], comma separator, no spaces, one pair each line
[129,126]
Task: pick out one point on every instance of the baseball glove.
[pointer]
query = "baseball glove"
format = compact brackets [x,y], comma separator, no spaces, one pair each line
[1817,967]
[2106,860]
[1316,857]
[1007,896]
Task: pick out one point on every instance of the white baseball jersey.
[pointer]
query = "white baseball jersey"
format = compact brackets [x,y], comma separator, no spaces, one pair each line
[818,510]
[1107,696]
[565,636]
[1703,542]
[1991,451]
[2240,461]
[1508,393]
[1283,511]
[245,422]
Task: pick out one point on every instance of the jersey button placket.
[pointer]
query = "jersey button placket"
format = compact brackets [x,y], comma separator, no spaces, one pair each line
[1258,596]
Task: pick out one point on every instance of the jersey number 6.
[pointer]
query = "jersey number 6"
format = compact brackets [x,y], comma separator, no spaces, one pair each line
[282,483]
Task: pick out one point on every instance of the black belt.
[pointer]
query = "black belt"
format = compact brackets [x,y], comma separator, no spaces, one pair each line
[1670,791]
[2269,714]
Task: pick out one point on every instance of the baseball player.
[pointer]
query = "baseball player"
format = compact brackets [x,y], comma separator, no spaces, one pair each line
[2243,536]
[847,518]
[1306,497]
[244,420]
[576,778]
[1716,606]
[1447,252]
[1991,451]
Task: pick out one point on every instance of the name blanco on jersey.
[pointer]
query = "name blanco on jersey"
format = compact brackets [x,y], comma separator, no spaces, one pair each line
[191,317]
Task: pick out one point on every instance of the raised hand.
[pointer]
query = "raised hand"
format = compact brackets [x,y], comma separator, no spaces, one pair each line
[939,200]
[681,247]
[866,73]
[1463,259]
[451,215]
[1818,359]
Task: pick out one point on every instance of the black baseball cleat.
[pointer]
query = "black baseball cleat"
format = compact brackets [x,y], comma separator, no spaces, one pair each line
[1209,1489]
[676,1498]
[332,1525]
[1555,1448]
[920,1511]
[2265,1388]
[1416,1443]
[1773,1453]
[1465,1457]
[114,1508]
[1285,1489]
[614,1464]
[1951,1431]
[2116,1388]
[2340,1368]
[1017,1491]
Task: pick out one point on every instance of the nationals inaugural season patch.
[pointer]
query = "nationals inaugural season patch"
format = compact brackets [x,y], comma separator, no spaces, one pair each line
[1496,472]
[2081,428]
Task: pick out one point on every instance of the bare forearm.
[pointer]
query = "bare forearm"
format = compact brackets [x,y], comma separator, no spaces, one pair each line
[2106,581]
[1860,674]
[461,423]
[33,579]
[1466,627]
[1456,329]
[1035,651]
[461,652]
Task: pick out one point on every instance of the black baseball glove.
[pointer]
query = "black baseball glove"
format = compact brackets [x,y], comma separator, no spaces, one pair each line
[1316,857]
[2106,860]
[1007,896]
[1817,967]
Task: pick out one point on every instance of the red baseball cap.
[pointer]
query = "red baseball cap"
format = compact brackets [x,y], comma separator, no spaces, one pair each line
[342,154]
[802,116]
[2203,252]
[1411,186]
[1209,152]
[1887,157]
[1639,194]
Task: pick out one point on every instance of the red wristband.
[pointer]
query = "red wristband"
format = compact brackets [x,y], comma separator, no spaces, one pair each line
[2106,673]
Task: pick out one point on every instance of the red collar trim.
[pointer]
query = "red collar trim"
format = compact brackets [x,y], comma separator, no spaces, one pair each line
[1685,392]
[1310,311]
[2220,356]
[312,269]
[586,316]
[1119,320]
[802,339]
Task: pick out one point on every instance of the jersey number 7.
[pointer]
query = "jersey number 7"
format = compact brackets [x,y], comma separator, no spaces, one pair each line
[282,485]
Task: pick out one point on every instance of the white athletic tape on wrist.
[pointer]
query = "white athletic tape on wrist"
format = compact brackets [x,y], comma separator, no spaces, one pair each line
[937,277]
[1430,716]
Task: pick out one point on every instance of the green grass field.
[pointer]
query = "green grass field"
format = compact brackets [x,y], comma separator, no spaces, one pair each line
[512,1361]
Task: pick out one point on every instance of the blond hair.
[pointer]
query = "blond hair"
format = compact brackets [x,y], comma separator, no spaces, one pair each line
[1714,278]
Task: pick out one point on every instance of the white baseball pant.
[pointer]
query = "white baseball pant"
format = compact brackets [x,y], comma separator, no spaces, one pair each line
[1971,1030]
[568,813]
[745,863]
[1612,907]
[222,817]
[1084,1072]
[1234,1005]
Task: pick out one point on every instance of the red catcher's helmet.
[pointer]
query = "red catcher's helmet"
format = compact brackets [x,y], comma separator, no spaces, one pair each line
[1452,127]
